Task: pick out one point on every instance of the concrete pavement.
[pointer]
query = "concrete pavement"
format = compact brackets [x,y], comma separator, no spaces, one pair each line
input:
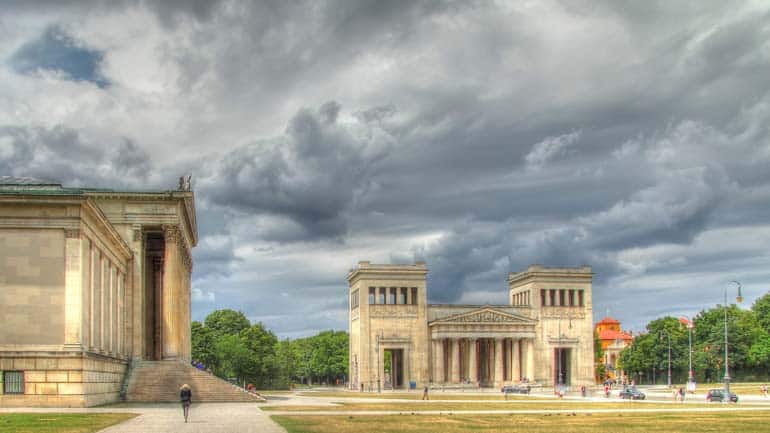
[167,418]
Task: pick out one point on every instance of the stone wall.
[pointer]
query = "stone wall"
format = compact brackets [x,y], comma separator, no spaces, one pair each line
[32,286]
[64,381]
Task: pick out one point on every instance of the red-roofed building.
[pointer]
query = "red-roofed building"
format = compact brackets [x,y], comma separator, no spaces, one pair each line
[613,340]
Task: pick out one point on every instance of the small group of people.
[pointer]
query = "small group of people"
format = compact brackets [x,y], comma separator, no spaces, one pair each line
[678,394]
[200,366]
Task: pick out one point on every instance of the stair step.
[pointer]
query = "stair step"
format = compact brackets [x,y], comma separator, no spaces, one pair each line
[151,381]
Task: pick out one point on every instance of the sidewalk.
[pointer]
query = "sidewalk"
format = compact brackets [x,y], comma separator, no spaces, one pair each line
[167,418]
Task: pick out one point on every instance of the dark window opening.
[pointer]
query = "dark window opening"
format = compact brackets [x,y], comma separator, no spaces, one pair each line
[13,382]
[414,295]
[372,295]
[381,299]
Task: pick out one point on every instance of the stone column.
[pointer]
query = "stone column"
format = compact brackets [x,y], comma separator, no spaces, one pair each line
[171,295]
[104,290]
[530,359]
[439,361]
[455,362]
[499,359]
[136,295]
[73,289]
[186,296]
[473,368]
[113,310]
[515,362]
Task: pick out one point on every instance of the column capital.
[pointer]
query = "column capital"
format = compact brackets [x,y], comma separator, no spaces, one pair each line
[137,232]
[171,233]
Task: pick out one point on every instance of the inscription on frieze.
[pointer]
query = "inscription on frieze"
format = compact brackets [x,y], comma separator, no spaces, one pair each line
[486,316]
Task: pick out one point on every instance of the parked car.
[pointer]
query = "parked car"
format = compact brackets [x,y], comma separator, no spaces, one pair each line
[630,392]
[719,395]
[515,389]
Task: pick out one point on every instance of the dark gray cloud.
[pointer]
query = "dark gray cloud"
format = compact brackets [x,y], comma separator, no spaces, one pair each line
[72,158]
[310,175]
[480,137]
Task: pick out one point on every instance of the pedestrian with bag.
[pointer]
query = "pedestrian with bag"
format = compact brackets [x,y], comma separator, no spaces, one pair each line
[185,396]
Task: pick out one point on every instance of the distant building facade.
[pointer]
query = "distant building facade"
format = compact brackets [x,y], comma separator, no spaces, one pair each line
[544,335]
[90,279]
[613,340]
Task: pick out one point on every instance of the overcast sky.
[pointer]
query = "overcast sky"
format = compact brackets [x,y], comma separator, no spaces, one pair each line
[480,137]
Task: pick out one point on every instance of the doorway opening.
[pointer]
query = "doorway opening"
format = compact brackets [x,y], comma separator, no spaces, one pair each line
[394,368]
[561,366]
[153,295]
[486,362]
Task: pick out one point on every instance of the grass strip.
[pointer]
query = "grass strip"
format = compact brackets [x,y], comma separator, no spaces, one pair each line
[580,423]
[60,422]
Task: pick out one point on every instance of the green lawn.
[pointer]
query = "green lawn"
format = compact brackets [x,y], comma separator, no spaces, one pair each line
[59,422]
[512,405]
[581,423]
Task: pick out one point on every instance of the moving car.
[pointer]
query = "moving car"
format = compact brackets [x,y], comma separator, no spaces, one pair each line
[719,395]
[630,392]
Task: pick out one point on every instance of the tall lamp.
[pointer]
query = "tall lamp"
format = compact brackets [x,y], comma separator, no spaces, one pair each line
[738,299]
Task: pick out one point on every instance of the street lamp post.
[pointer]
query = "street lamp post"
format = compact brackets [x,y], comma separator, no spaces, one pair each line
[738,299]
[669,357]
[691,376]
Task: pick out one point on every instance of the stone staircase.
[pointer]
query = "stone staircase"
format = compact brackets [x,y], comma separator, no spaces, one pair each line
[159,381]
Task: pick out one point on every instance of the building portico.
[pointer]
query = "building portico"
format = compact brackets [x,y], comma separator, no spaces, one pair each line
[480,346]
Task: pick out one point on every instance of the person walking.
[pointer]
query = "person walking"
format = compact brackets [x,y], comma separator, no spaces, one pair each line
[185,396]
[425,393]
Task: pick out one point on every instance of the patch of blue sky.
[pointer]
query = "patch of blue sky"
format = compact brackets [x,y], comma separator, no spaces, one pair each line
[57,51]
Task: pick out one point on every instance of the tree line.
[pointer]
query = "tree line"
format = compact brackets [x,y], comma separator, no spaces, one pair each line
[646,359]
[234,348]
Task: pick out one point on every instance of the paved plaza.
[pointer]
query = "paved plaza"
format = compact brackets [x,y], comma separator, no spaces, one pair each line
[167,418]
[249,417]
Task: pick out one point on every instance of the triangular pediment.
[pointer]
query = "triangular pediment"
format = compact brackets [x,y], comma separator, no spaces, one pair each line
[486,314]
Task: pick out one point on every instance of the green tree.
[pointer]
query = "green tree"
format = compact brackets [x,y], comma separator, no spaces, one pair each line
[261,345]
[235,359]
[599,368]
[203,345]
[287,363]
[743,331]
[761,308]
[226,322]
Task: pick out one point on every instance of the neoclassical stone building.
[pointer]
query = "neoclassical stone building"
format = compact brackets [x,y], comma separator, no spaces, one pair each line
[89,280]
[545,334]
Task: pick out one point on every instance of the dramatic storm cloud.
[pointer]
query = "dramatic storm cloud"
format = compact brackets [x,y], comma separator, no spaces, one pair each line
[480,137]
